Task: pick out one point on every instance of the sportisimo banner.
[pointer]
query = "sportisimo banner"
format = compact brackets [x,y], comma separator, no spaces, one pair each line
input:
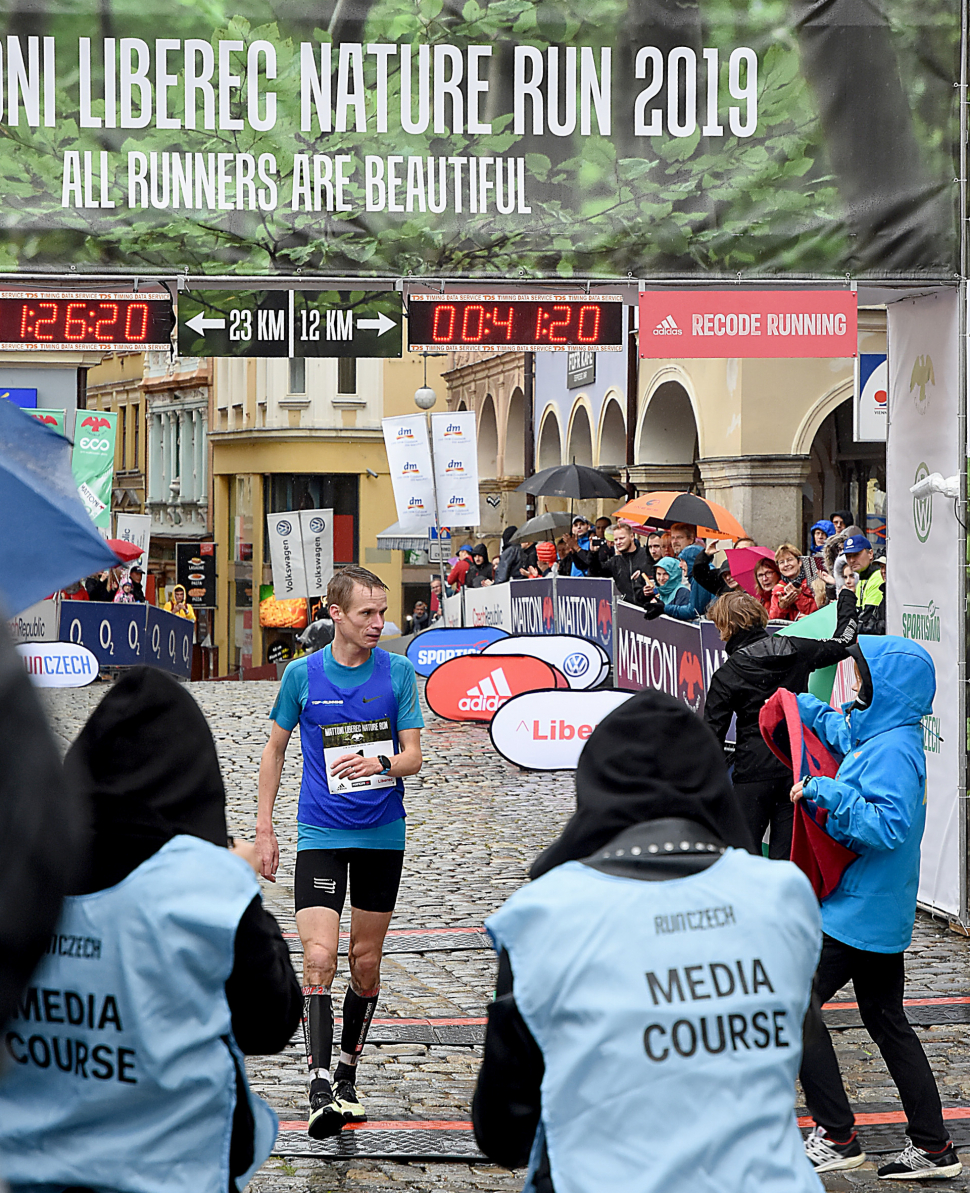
[602,138]
[431,648]
[93,462]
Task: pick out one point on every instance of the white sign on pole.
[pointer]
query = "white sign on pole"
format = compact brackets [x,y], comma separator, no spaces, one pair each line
[584,664]
[870,408]
[316,531]
[286,553]
[137,530]
[59,664]
[456,467]
[38,623]
[490,606]
[925,558]
[409,460]
[451,611]
[547,730]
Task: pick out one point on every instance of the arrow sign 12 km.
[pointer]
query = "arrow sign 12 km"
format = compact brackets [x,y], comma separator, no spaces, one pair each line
[289,323]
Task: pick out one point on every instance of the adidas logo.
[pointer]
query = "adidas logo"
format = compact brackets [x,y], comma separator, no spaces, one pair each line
[487,694]
[667,328]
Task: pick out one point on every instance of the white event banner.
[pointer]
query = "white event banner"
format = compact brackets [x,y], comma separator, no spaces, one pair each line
[451,612]
[924,558]
[137,530]
[58,664]
[37,623]
[301,552]
[490,606]
[455,441]
[409,461]
[316,532]
[547,730]
[585,664]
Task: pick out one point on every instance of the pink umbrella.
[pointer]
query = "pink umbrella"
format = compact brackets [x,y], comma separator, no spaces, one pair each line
[743,562]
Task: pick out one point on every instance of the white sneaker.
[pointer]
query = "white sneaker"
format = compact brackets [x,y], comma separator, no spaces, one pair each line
[825,1155]
[913,1164]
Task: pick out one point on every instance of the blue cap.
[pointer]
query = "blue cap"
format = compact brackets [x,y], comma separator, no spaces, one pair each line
[855,543]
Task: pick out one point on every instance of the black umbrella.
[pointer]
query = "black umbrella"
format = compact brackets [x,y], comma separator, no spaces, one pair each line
[571,480]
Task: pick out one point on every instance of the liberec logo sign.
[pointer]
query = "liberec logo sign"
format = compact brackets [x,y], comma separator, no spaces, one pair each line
[474,687]
[547,730]
[431,648]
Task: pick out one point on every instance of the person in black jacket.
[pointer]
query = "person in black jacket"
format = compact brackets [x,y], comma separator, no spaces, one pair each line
[627,567]
[758,665]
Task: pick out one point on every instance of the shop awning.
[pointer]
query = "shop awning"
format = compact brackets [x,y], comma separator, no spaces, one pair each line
[395,538]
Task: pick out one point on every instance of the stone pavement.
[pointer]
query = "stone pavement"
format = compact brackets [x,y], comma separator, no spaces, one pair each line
[474,825]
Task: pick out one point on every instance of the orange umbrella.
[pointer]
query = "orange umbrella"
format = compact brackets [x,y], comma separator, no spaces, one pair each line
[664,508]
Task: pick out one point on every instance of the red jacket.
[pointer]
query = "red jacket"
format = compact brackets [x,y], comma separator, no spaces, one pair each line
[457,575]
[804,602]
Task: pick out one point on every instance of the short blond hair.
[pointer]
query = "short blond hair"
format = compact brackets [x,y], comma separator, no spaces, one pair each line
[340,590]
[736,611]
[787,549]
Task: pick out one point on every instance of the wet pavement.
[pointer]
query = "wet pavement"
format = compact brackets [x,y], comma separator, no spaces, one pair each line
[475,823]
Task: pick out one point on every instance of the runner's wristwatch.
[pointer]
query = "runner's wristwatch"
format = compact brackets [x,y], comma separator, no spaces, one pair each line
[385,763]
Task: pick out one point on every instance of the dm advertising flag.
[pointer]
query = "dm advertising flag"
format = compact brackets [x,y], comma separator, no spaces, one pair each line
[93,462]
[409,460]
[456,467]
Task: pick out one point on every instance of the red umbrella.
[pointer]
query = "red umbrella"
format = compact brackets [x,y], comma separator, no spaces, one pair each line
[126,552]
[743,562]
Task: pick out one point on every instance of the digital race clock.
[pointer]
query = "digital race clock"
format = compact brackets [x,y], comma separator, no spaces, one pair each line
[478,322]
[59,320]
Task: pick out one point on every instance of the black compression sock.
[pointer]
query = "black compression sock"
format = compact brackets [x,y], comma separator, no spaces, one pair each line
[317,1027]
[358,1012]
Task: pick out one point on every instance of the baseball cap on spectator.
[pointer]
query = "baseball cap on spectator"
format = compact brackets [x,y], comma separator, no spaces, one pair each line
[579,520]
[546,552]
[855,543]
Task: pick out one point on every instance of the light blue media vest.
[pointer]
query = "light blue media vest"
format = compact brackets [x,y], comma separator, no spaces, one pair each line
[669,1015]
[120,1068]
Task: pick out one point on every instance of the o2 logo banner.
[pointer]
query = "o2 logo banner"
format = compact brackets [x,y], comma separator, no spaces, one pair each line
[168,642]
[114,634]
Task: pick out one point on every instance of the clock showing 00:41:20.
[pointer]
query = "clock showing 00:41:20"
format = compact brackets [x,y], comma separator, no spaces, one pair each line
[482,321]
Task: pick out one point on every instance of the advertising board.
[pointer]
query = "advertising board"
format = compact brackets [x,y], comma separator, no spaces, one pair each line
[471,688]
[58,664]
[547,730]
[533,606]
[432,647]
[584,664]
[585,607]
[36,623]
[663,654]
[113,633]
[490,606]
[195,570]
[168,641]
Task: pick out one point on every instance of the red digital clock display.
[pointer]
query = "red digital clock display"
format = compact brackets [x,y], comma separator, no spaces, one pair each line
[114,322]
[484,321]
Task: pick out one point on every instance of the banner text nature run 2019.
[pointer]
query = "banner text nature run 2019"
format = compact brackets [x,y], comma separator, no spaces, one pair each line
[472,138]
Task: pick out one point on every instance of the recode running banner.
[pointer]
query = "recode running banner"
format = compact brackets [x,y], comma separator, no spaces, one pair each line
[925,556]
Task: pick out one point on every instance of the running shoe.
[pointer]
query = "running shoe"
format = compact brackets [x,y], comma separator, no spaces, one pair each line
[914,1164]
[345,1094]
[825,1155]
[326,1116]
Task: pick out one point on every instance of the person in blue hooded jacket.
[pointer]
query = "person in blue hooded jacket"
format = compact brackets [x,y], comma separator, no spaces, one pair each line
[819,531]
[876,806]
[668,592]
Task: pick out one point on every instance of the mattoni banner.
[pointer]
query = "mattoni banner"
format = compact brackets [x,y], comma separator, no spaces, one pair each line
[490,606]
[432,647]
[664,654]
[925,549]
[93,462]
[465,139]
[533,606]
[547,730]
[585,607]
[473,687]
[749,323]
[409,461]
[455,442]
[584,664]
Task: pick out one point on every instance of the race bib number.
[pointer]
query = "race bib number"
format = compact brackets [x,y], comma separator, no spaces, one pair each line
[366,738]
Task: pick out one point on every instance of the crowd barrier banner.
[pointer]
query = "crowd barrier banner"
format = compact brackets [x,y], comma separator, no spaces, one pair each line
[125,635]
[663,654]
[712,651]
[473,687]
[925,561]
[58,664]
[490,606]
[451,611]
[585,607]
[431,648]
[547,730]
[533,606]
[37,623]
[168,642]
[585,664]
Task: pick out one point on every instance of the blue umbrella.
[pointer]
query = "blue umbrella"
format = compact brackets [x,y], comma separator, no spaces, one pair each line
[47,539]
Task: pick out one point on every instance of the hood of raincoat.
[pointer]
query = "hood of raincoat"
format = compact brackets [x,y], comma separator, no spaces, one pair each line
[821,524]
[898,689]
[675,578]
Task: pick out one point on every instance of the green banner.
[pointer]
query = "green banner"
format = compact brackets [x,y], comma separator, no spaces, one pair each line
[52,418]
[93,462]
[605,139]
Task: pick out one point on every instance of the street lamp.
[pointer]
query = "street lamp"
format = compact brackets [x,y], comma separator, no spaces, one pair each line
[424,399]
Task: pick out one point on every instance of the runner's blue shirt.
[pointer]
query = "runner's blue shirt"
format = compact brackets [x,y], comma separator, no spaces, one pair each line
[290,702]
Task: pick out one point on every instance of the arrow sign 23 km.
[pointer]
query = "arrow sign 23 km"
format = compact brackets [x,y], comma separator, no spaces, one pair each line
[289,323]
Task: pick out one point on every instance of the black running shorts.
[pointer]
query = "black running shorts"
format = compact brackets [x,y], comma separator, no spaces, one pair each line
[321,878]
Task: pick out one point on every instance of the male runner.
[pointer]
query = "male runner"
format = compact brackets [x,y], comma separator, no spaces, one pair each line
[360,733]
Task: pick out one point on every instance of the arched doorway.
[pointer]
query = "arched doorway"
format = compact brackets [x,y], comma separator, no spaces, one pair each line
[844,474]
[580,450]
[612,450]
[487,440]
[515,435]
[666,446]
[550,444]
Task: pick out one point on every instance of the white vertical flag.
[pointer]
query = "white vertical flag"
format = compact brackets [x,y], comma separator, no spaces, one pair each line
[456,467]
[316,527]
[286,553]
[409,460]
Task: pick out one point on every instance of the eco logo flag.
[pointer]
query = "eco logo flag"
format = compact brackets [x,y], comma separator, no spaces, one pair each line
[93,462]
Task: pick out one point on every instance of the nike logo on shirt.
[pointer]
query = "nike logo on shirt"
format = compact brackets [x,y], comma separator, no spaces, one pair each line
[369,699]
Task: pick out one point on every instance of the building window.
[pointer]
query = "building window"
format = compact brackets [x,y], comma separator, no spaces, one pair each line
[123,420]
[297,384]
[347,375]
[135,436]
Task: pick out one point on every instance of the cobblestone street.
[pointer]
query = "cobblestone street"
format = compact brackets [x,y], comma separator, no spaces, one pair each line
[474,825]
